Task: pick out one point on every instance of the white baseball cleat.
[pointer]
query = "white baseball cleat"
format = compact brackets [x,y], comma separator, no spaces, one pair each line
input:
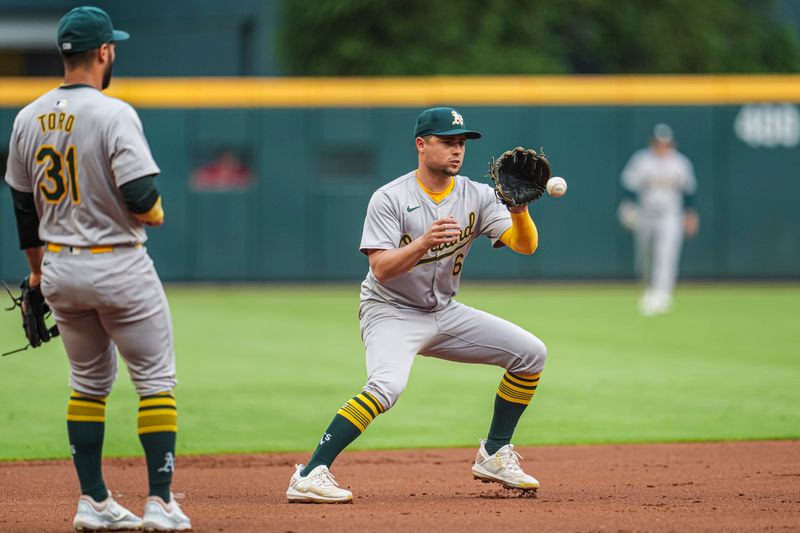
[107,515]
[162,516]
[319,486]
[502,467]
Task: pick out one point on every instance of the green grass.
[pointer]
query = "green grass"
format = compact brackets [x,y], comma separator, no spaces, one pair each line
[265,368]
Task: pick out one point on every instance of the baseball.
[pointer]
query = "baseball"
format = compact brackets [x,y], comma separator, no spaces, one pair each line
[556,187]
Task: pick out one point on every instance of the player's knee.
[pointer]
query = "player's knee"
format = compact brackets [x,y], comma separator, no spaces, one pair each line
[533,357]
[386,392]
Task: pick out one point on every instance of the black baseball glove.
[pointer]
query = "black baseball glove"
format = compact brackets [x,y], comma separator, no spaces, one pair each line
[34,312]
[520,176]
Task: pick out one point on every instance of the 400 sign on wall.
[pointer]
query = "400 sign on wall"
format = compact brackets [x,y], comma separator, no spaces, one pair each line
[768,125]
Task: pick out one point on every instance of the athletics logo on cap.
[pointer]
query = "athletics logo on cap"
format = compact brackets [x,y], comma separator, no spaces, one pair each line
[442,121]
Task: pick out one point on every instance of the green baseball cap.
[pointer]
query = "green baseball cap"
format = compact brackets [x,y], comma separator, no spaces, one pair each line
[86,28]
[442,121]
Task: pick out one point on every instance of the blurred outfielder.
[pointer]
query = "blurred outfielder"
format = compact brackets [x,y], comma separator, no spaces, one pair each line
[661,183]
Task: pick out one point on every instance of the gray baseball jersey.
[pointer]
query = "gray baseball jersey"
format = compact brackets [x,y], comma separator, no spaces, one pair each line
[401,211]
[659,182]
[75,147]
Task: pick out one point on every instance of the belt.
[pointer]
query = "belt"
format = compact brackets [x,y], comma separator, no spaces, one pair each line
[55,248]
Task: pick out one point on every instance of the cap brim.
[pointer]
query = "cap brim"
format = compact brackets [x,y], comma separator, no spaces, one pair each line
[119,35]
[469,134]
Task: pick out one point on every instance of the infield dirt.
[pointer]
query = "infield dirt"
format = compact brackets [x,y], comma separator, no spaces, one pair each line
[734,486]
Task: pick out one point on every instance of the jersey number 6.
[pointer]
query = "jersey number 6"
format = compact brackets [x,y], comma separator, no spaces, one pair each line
[458,264]
[55,189]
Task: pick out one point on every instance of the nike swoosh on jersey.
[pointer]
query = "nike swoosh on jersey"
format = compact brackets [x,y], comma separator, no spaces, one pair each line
[410,209]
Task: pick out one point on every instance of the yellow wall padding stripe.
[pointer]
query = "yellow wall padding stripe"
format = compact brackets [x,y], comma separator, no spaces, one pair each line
[426,91]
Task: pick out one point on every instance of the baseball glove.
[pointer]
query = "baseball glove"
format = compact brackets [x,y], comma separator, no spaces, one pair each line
[520,176]
[34,312]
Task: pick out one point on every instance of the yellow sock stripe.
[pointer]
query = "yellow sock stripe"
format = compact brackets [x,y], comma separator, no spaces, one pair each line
[363,409]
[95,399]
[512,400]
[513,396]
[518,388]
[357,412]
[365,402]
[84,408]
[522,379]
[522,395]
[157,413]
[83,418]
[151,402]
[352,419]
[158,429]
[375,401]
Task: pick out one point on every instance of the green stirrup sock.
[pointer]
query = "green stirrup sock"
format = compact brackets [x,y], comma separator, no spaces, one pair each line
[348,423]
[513,396]
[158,427]
[86,428]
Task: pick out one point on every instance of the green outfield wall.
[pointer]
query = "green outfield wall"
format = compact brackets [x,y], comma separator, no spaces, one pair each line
[318,151]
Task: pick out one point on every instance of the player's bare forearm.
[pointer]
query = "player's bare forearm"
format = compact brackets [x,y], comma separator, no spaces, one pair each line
[522,236]
[35,256]
[389,264]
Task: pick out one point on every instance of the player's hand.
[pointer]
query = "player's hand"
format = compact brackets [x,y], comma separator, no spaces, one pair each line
[518,209]
[444,230]
[35,279]
[691,223]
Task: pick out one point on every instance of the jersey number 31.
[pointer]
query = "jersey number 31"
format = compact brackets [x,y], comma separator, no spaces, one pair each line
[54,186]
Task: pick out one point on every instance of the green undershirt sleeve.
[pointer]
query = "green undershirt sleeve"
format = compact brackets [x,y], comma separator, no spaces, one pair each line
[27,219]
[140,195]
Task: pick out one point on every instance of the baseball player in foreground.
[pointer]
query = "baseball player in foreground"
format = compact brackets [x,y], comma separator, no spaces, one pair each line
[663,185]
[82,181]
[418,231]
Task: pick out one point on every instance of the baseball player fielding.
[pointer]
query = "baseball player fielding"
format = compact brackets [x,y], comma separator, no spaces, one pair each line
[417,233]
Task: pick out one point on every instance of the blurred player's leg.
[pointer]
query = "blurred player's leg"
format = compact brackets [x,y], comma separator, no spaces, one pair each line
[645,235]
[666,256]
